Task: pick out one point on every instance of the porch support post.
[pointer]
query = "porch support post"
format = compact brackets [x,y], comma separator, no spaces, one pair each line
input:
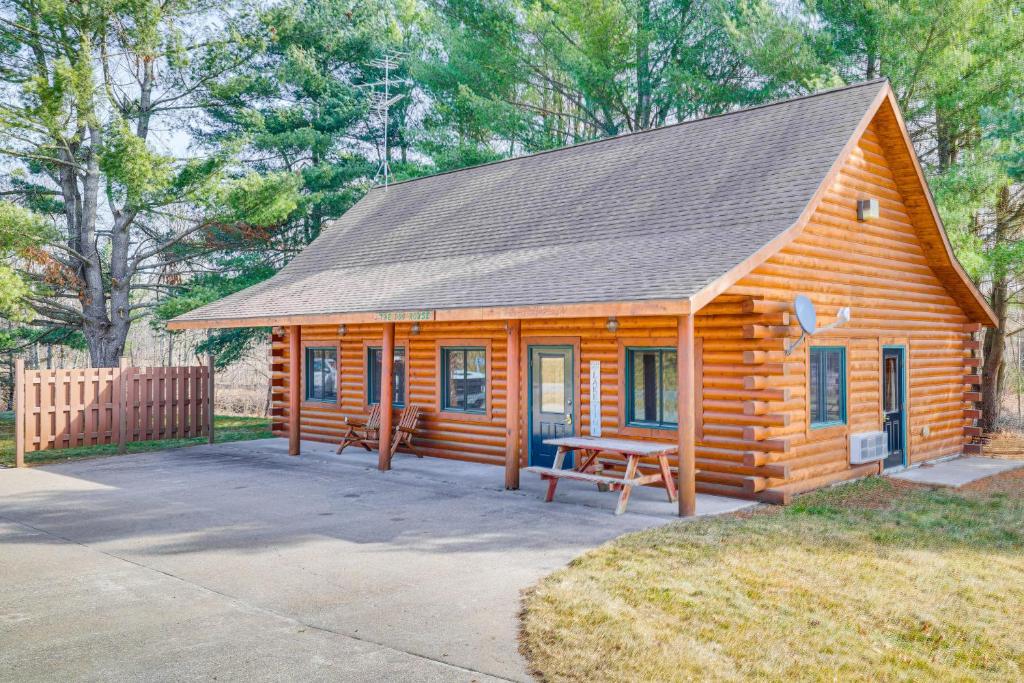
[387,395]
[687,480]
[512,386]
[294,388]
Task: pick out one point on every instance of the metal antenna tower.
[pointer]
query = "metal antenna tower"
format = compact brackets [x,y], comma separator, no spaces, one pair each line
[381,101]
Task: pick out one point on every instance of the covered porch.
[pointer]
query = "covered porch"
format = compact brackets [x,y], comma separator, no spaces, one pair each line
[532,380]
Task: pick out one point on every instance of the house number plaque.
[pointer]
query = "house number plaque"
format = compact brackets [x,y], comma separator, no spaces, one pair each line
[404,316]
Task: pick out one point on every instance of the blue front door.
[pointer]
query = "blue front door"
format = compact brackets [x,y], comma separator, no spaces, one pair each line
[552,394]
[894,404]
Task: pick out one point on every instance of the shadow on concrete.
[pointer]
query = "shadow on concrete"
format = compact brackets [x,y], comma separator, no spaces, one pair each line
[249,495]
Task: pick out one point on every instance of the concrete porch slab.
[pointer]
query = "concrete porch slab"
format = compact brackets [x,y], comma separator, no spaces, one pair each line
[958,471]
[645,500]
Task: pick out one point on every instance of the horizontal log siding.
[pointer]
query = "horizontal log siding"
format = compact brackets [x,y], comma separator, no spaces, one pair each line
[753,439]
[597,343]
[471,437]
[879,269]
[467,438]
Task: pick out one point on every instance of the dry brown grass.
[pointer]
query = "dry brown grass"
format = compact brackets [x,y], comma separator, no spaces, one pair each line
[877,580]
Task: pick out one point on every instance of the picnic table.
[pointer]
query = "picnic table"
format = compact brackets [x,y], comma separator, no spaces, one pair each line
[590,468]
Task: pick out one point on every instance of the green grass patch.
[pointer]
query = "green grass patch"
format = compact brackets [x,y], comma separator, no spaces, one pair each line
[873,581]
[226,428]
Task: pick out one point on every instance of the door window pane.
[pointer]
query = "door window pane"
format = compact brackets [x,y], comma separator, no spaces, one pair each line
[892,387]
[322,374]
[552,384]
[653,387]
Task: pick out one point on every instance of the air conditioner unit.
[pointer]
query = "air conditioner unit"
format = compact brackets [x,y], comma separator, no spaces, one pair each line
[868,447]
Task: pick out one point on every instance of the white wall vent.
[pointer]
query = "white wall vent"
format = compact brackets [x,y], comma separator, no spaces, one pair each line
[868,447]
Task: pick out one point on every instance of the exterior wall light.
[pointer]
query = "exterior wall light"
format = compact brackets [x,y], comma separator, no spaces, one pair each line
[612,324]
[867,209]
[415,329]
[342,330]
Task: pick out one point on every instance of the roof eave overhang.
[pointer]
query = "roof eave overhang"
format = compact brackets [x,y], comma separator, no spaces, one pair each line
[652,307]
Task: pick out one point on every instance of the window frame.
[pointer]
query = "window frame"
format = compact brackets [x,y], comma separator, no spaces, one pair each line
[369,346]
[308,347]
[628,389]
[442,379]
[843,384]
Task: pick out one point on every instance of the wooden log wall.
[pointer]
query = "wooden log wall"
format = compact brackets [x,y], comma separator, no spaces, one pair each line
[474,438]
[879,269]
[753,433]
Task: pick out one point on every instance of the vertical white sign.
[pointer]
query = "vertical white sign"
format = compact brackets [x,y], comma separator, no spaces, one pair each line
[595,398]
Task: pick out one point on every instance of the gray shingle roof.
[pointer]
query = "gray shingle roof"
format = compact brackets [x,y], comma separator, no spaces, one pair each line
[653,215]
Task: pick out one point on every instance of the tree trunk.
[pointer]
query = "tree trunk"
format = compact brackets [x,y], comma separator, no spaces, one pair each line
[106,343]
[993,368]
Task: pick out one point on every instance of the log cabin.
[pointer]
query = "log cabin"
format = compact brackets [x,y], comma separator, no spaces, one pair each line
[643,287]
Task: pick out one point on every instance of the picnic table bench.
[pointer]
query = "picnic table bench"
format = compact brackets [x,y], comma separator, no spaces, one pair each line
[590,469]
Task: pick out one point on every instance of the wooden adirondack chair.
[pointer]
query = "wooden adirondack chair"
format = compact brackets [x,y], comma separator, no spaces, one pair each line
[406,428]
[365,433]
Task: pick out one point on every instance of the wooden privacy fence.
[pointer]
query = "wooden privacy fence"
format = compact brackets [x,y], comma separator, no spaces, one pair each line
[91,406]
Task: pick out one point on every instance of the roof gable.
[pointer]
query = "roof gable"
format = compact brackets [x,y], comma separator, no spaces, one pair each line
[885,115]
[917,197]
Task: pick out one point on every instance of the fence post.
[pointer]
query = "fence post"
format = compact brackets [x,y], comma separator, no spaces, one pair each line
[122,405]
[209,394]
[19,412]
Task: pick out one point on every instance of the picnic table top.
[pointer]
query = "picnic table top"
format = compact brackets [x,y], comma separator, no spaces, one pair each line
[624,446]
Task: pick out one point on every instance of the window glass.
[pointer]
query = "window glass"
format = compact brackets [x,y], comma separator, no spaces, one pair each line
[373,369]
[669,388]
[552,384]
[892,387]
[653,387]
[827,380]
[322,374]
[465,379]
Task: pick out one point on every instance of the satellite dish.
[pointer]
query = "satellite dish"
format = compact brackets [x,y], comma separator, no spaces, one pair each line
[808,319]
[805,314]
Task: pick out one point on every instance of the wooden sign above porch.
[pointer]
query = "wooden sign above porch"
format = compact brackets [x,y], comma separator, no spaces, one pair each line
[404,316]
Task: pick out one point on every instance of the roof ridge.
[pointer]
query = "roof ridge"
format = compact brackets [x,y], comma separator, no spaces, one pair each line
[742,110]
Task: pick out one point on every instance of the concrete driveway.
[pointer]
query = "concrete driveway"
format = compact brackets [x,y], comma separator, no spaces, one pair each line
[237,562]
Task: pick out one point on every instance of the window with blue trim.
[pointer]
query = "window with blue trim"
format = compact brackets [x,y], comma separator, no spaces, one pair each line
[652,388]
[322,374]
[373,365]
[827,370]
[464,379]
